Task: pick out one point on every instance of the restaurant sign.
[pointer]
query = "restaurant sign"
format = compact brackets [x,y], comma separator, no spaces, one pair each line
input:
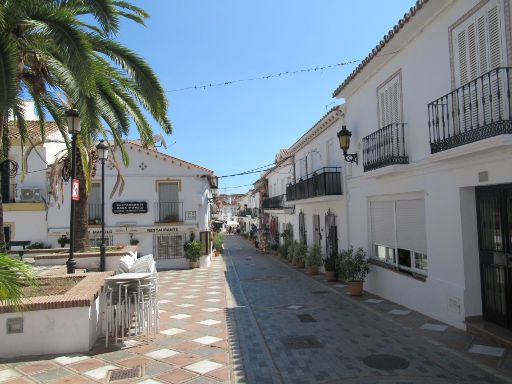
[123,207]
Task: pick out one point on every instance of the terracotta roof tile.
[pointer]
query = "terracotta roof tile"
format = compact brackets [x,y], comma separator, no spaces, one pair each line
[33,129]
[392,32]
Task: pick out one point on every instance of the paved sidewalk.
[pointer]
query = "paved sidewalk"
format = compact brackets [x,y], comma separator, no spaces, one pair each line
[292,328]
[191,347]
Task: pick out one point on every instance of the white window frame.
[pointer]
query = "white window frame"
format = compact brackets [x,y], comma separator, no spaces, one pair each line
[374,247]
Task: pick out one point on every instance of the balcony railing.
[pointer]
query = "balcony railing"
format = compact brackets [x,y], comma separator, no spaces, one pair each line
[94,213]
[168,212]
[385,147]
[275,202]
[475,111]
[323,182]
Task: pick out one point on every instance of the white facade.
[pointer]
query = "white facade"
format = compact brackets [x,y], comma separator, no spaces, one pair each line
[170,196]
[442,276]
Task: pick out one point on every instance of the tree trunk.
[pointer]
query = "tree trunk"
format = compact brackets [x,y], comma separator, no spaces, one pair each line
[81,210]
[3,132]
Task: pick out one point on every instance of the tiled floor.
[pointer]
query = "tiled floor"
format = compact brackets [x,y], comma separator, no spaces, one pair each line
[191,346]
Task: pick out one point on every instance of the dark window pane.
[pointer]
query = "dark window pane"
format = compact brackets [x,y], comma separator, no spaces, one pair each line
[404,258]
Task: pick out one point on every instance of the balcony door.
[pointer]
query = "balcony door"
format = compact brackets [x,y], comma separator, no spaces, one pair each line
[168,202]
[494,210]
[478,45]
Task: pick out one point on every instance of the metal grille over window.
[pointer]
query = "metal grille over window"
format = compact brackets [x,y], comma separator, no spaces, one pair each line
[96,240]
[168,246]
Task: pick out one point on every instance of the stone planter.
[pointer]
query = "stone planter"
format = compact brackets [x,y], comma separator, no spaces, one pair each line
[59,324]
[194,264]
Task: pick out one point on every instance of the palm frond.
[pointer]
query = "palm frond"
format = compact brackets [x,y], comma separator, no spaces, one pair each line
[14,275]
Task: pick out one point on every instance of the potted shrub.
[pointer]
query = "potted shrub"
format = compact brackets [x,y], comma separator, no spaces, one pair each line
[299,254]
[218,244]
[291,251]
[313,260]
[353,269]
[330,264]
[134,241]
[63,240]
[193,251]
[274,248]
[283,250]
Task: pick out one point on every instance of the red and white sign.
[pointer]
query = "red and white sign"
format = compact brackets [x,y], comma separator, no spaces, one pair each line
[75,194]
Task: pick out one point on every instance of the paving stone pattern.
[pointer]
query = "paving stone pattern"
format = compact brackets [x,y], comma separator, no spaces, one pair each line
[192,345]
[270,294]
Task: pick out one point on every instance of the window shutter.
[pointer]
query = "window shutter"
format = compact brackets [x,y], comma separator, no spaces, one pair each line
[463,67]
[95,194]
[410,225]
[168,192]
[389,99]
[493,20]
[382,223]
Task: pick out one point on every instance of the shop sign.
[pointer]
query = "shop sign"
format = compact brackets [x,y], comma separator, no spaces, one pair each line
[124,207]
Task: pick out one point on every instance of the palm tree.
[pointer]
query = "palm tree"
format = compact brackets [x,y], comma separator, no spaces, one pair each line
[14,275]
[52,51]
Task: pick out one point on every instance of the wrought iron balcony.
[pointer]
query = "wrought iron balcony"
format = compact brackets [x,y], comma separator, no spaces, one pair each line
[275,202]
[475,111]
[385,147]
[323,182]
[168,212]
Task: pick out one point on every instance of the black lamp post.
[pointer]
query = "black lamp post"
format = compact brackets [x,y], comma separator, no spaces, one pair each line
[102,150]
[344,137]
[73,121]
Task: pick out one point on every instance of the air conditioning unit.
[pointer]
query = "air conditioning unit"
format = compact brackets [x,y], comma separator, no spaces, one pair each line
[30,194]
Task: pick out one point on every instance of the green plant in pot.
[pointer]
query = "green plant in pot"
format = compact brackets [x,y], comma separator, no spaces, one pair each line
[193,251]
[314,260]
[353,269]
[299,254]
[283,251]
[134,241]
[291,251]
[63,240]
[274,248]
[218,244]
[330,265]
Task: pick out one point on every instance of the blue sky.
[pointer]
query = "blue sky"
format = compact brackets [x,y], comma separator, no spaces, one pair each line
[239,127]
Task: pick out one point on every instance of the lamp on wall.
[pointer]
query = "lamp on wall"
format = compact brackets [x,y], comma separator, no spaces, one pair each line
[344,137]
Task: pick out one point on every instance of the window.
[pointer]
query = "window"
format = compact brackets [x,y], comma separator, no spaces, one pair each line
[389,101]
[478,47]
[169,207]
[168,246]
[95,240]
[94,203]
[398,234]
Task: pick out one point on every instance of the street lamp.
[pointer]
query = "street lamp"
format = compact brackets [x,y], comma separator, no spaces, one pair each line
[73,121]
[102,151]
[344,137]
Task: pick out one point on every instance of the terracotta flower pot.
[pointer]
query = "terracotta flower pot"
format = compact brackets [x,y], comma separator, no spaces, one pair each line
[300,264]
[194,264]
[355,288]
[330,275]
[313,270]
[217,253]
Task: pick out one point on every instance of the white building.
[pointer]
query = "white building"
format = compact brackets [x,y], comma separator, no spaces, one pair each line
[249,211]
[316,190]
[163,201]
[431,196]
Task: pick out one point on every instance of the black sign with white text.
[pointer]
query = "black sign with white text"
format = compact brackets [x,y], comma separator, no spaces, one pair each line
[123,207]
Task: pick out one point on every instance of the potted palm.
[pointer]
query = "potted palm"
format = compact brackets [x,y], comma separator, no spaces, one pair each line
[299,254]
[330,264]
[218,244]
[353,269]
[193,251]
[313,260]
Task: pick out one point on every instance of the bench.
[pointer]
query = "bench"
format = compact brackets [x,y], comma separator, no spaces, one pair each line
[19,243]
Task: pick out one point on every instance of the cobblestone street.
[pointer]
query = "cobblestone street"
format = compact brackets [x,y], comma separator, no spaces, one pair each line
[250,318]
[340,334]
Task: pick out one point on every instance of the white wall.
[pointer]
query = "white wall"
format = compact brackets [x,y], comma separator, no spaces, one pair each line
[452,289]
